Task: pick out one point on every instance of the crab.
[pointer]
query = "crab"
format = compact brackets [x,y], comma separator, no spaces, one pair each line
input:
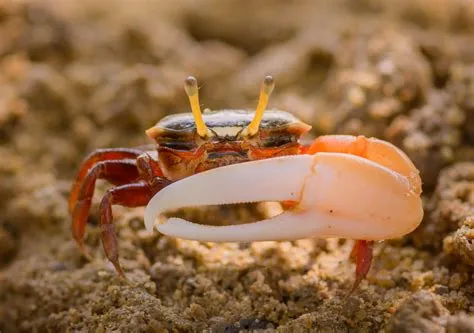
[341,186]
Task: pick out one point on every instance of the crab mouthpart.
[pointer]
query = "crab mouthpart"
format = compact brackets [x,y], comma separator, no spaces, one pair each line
[337,195]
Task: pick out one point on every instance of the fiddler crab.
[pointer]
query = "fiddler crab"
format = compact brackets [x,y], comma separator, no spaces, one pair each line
[336,186]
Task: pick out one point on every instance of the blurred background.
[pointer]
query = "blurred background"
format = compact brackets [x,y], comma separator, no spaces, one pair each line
[80,75]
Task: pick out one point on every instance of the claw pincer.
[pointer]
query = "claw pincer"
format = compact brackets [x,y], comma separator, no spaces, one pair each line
[337,195]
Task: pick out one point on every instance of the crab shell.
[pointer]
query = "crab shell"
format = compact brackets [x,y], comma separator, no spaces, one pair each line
[336,195]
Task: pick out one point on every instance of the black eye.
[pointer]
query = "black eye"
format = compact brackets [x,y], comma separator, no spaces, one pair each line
[179,145]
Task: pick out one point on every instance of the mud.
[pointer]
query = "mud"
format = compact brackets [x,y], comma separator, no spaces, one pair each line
[75,76]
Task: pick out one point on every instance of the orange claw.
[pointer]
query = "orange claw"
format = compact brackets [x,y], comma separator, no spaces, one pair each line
[381,152]
[378,151]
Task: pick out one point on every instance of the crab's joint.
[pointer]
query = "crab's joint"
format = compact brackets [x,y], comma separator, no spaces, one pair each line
[192,90]
[265,92]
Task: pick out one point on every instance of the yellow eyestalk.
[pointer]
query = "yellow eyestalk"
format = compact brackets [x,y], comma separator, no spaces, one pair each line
[265,92]
[191,87]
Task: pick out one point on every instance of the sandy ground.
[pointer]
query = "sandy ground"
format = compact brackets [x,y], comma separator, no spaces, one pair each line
[75,76]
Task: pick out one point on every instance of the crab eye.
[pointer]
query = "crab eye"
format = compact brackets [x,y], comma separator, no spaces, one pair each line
[191,88]
[265,91]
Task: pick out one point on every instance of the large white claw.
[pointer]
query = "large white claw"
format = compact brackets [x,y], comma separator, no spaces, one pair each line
[338,195]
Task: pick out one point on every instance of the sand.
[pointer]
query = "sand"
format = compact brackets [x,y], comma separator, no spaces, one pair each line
[76,76]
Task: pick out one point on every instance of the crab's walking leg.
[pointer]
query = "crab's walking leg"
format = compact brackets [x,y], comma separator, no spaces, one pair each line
[130,195]
[94,158]
[362,255]
[121,172]
[150,171]
[124,172]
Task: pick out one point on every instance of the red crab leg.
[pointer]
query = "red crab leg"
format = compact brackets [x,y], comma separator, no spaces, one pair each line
[94,158]
[130,195]
[150,172]
[123,172]
[362,255]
